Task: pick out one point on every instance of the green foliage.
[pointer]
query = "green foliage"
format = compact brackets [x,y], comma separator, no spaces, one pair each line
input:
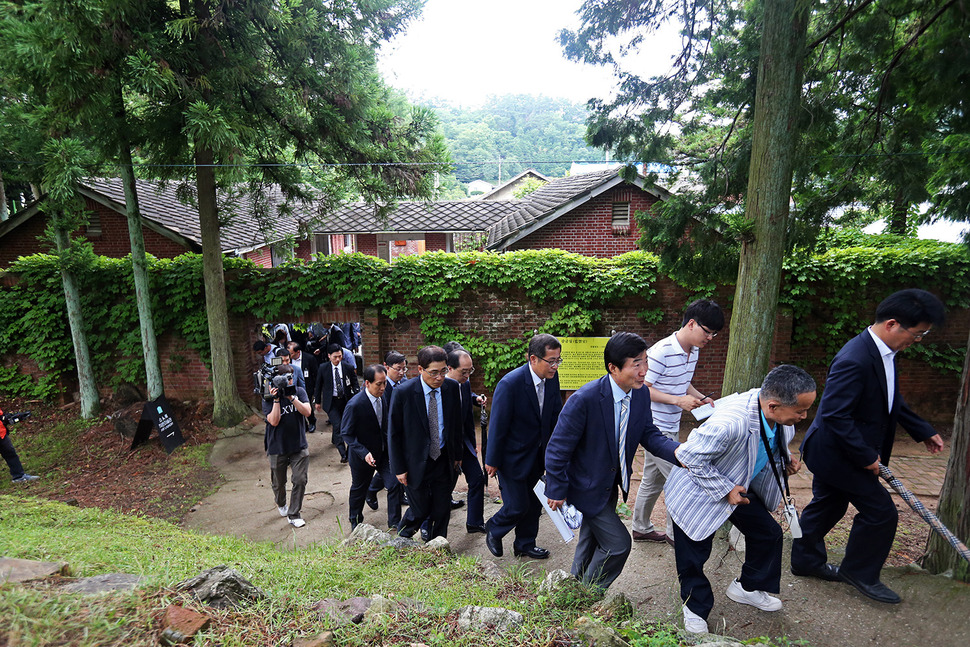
[839,285]
[836,286]
[528,186]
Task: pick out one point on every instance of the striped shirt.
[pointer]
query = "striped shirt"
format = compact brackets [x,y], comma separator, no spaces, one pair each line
[669,370]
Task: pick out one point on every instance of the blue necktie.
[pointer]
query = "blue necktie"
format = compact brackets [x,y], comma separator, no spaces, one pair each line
[624,418]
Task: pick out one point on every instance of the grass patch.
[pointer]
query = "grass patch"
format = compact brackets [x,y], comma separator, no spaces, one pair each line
[97,541]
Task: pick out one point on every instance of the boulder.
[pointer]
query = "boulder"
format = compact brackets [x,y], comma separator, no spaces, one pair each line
[22,570]
[343,612]
[614,605]
[438,543]
[364,532]
[222,587]
[555,579]
[472,617]
[593,633]
[320,640]
[105,583]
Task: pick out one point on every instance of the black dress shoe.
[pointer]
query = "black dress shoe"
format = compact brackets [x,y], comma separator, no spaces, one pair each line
[878,591]
[827,572]
[372,503]
[494,544]
[404,499]
[472,528]
[456,504]
[344,459]
[425,535]
[534,553]
[407,534]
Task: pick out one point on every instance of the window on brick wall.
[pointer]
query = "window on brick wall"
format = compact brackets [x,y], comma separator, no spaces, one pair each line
[321,244]
[621,218]
[93,228]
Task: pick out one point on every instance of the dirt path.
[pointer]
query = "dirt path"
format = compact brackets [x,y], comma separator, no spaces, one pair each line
[935,610]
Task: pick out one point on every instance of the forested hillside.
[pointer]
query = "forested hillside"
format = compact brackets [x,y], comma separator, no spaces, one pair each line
[511,133]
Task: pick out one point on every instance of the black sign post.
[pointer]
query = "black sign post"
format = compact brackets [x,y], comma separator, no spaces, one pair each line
[158,413]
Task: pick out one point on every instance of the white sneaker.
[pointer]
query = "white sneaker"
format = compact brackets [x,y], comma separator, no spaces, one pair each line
[758,599]
[298,522]
[693,623]
[282,511]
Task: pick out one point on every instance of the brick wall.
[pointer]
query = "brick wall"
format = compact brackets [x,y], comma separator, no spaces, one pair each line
[588,229]
[262,256]
[510,315]
[367,244]
[113,240]
[435,241]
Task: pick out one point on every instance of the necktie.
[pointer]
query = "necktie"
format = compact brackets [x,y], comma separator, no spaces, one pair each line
[541,394]
[338,385]
[624,418]
[379,410]
[435,450]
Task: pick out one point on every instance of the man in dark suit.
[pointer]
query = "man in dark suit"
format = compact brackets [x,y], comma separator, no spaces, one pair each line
[591,452]
[525,408]
[306,365]
[364,429]
[336,384]
[396,366]
[424,442]
[460,369]
[853,433]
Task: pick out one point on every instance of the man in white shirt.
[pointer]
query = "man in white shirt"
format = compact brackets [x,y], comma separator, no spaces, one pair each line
[670,369]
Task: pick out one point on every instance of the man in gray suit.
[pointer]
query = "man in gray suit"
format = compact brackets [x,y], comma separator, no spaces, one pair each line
[733,468]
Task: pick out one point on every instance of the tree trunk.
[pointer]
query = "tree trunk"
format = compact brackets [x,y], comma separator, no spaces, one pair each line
[897,220]
[90,399]
[139,268]
[769,188]
[4,213]
[227,408]
[954,507]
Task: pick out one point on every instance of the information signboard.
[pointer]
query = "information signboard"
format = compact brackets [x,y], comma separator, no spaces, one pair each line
[582,361]
[158,414]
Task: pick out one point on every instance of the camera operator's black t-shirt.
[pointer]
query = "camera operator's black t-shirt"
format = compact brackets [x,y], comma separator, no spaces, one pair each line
[288,437]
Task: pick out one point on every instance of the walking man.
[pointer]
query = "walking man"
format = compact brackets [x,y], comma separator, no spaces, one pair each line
[852,434]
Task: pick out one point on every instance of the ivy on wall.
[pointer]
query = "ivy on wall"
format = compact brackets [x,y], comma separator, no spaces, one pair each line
[836,286]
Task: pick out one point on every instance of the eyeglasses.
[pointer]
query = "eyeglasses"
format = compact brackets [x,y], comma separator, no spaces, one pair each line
[552,362]
[435,374]
[707,331]
[917,335]
[467,371]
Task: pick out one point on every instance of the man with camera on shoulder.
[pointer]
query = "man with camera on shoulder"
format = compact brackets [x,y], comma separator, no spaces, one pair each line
[285,442]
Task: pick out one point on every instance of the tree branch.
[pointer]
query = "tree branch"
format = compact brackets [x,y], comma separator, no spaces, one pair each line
[837,26]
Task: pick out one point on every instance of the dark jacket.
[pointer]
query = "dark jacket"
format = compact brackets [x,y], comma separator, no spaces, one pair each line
[583,458]
[324,386]
[517,436]
[361,429]
[853,425]
[408,435]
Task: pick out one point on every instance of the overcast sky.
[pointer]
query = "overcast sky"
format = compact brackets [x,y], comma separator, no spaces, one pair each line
[466,50]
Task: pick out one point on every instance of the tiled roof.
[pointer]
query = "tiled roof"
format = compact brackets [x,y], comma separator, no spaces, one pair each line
[546,200]
[448,215]
[160,204]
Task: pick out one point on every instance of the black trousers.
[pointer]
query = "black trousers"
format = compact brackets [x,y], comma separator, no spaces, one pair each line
[431,500]
[520,510]
[336,416]
[361,474]
[761,570]
[870,539]
[10,455]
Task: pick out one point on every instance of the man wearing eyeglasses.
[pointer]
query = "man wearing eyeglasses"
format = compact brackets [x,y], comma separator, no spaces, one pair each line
[424,442]
[670,369]
[525,409]
[853,433]
[460,369]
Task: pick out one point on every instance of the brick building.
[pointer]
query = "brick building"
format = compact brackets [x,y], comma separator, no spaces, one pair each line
[169,225]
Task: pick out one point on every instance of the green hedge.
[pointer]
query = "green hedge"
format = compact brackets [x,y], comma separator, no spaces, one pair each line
[840,283]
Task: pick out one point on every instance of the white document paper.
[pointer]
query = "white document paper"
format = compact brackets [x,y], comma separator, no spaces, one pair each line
[556,515]
[705,411]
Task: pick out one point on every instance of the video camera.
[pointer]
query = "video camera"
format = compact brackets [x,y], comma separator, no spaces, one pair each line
[14,418]
[263,378]
[284,385]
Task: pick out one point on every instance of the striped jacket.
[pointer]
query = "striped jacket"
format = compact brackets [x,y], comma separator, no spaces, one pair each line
[718,455]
